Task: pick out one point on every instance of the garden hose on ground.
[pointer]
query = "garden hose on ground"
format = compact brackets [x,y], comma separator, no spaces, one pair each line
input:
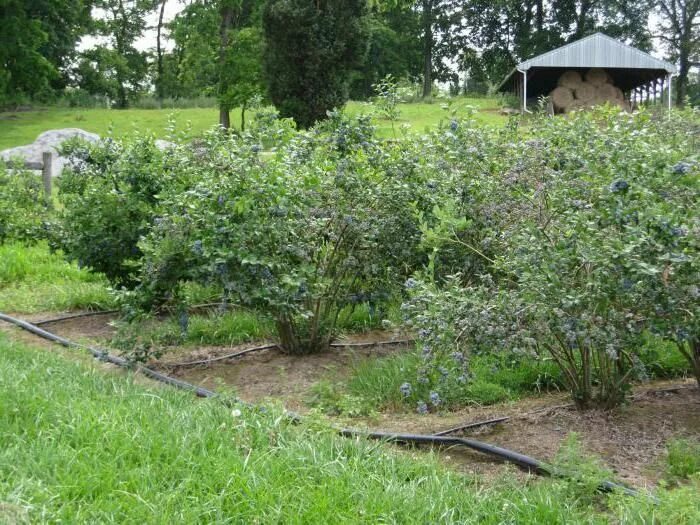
[510,456]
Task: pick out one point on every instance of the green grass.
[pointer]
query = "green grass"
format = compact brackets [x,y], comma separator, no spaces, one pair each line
[80,445]
[217,329]
[683,458]
[32,279]
[23,127]
[374,384]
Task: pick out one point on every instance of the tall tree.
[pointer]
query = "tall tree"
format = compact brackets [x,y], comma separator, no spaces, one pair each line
[122,65]
[159,51]
[37,42]
[241,76]
[394,38]
[312,48]
[679,29]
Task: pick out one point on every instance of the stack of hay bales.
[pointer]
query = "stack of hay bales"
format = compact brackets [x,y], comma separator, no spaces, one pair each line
[573,92]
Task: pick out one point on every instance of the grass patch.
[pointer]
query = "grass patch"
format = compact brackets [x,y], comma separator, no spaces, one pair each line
[215,328]
[374,384]
[494,380]
[683,458]
[82,446]
[24,127]
[32,279]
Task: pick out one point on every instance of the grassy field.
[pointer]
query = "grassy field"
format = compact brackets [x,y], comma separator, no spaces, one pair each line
[32,279]
[81,445]
[21,128]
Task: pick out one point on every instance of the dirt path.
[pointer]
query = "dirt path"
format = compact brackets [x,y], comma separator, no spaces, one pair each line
[631,439]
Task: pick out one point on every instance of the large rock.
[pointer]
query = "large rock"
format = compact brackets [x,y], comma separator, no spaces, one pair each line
[48,141]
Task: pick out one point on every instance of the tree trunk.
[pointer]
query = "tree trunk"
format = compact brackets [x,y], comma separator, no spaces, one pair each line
[242,117]
[159,51]
[428,37]
[226,23]
[682,83]
[120,41]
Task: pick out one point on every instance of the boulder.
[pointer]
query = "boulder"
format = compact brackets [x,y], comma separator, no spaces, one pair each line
[48,141]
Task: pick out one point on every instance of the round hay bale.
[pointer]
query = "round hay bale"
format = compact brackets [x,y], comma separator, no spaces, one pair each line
[570,79]
[561,97]
[575,105]
[585,91]
[609,92]
[597,76]
[620,95]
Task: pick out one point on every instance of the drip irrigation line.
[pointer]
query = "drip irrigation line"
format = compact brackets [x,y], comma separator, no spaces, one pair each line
[469,426]
[74,316]
[376,343]
[510,456]
[269,347]
[222,357]
[487,422]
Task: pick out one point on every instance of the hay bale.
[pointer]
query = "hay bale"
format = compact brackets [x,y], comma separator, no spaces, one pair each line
[620,95]
[570,79]
[597,77]
[609,92]
[561,97]
[585,92]
[574,106]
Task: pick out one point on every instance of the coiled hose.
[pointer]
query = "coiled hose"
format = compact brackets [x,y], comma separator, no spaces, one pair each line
[521,460]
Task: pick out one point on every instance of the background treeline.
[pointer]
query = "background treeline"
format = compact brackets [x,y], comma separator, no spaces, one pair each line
[304,53]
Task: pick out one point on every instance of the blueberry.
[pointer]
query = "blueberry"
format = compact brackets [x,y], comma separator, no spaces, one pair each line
[619,186]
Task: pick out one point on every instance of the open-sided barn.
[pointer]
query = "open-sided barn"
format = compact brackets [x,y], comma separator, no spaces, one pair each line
[593,70]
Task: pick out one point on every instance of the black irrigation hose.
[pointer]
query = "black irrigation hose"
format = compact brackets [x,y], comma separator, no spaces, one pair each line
[523,461]
[510,456]
[103,355]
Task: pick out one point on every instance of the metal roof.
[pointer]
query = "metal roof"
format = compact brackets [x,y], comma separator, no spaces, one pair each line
[597,50]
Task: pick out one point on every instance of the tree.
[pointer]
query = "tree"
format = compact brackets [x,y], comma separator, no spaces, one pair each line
[159,52]
[679,29]
[38,42]
[312,47]
[119,63]
[508,31]
[192,67]
[394,49]
[241,74]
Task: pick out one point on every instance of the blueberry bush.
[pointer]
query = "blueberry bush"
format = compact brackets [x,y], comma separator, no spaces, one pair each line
[579,242]
[299,233]
[24,210]
[108,197]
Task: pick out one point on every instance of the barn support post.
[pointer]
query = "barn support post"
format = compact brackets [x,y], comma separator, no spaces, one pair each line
[670,83]
[523,109]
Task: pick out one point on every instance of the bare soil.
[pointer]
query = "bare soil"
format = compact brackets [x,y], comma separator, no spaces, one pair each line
[630,440]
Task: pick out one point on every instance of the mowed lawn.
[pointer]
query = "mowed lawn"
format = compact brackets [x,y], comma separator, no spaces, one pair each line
[19,128]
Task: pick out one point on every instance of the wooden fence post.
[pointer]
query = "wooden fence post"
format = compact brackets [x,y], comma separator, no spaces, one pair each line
[46,172]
